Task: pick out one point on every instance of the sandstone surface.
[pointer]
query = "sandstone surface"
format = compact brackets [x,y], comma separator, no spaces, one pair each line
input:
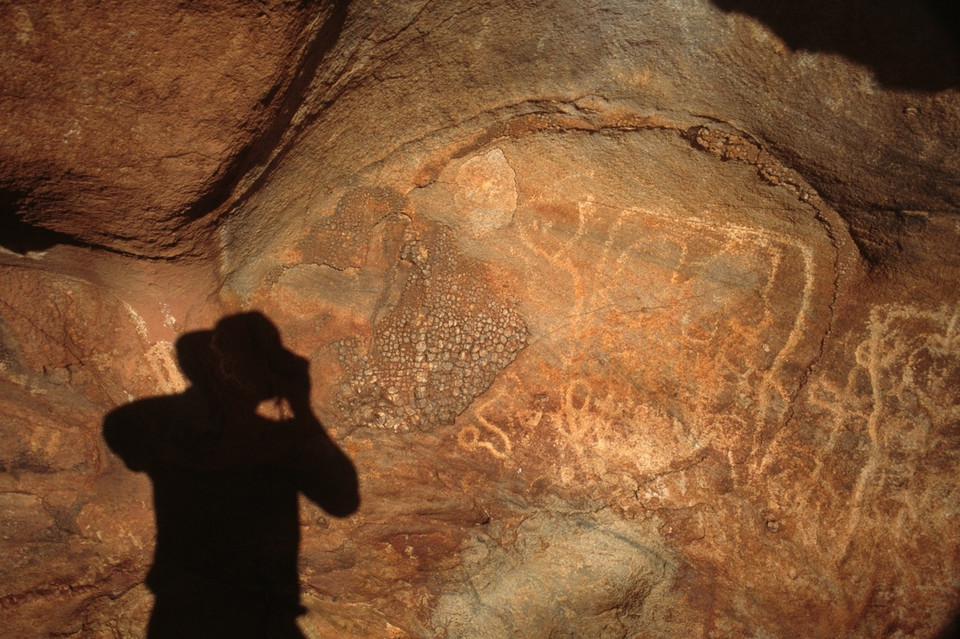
[635,319]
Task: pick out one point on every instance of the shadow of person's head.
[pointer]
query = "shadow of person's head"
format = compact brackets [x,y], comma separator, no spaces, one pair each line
[242,358]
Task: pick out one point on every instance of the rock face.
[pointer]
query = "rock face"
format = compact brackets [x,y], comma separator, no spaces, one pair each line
[635,319]
[127,126]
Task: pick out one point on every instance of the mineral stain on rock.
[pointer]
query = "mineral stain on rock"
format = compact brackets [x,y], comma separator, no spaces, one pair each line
[486,192]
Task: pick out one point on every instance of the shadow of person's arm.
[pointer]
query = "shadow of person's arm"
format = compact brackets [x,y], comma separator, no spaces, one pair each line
[327,476]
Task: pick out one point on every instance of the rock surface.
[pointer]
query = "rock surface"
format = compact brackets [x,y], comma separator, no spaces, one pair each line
[636,319]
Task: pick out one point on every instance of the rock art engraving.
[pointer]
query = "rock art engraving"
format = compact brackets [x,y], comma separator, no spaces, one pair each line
[720,317]
[911,364]
[680,336]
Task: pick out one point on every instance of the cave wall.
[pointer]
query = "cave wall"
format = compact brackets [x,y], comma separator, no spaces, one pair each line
[636,319]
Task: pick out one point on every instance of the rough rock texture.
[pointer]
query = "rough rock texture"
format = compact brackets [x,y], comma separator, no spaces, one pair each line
[127,125]
[637,319]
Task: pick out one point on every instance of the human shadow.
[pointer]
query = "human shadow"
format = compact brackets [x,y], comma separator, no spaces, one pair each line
[912,45]
[226,481]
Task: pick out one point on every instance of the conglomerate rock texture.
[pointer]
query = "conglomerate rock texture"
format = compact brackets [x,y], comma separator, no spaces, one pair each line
[636,319]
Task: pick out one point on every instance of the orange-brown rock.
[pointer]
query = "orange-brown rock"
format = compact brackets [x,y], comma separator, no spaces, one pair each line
[128,126]
[635,319]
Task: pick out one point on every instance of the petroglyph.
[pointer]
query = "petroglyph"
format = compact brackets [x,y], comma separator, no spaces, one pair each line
[886,433]
[677,329]
[911,362]
[722,316]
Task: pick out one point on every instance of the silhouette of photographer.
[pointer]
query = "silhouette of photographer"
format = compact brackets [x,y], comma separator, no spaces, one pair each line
[226,481]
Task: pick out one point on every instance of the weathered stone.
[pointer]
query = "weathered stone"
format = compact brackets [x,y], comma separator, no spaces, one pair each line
[127,126]
[635,319]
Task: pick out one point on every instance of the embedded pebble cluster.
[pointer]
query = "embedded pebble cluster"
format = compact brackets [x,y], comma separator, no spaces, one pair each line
[441,345]
[343,237]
